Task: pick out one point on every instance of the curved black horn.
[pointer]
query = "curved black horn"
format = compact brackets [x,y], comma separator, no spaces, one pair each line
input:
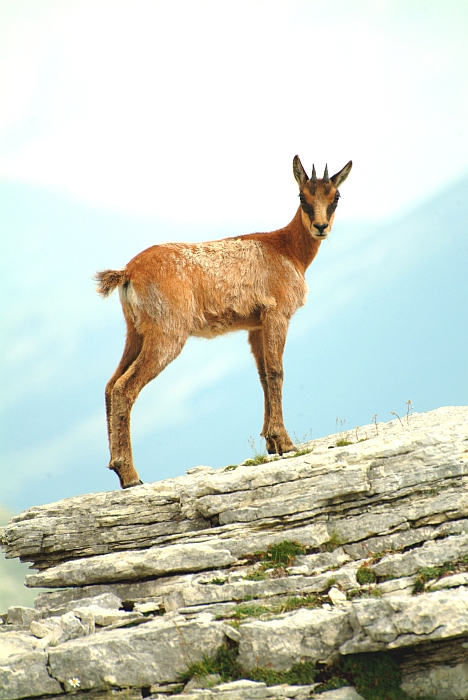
[314,175]
[325,175]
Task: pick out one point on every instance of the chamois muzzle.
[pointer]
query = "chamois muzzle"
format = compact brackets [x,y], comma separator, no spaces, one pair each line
[321,228]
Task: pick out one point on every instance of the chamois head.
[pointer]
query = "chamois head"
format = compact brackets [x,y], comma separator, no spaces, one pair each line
[319,198]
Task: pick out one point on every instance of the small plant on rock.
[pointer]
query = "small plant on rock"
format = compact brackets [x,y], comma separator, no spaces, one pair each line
[305,451]
[297,602]
[429,573]
[302,673]
[365,575]
[258,458]
[332,543]
[249,610]
[343,440]
[259,575]
[280,554]
[223,663]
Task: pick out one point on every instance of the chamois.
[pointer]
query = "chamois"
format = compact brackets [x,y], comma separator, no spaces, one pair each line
[253,282]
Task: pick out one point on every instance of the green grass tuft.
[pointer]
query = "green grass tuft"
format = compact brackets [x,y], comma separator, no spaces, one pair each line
[277,557]
[249,610]
[428,573]
[258,459]
[332,543]
[259,575]
[225,664]
[364,575]
[299,674]
[283,553]
[299,453]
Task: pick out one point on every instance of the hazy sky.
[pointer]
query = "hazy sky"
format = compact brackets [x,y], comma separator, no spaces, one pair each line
[193,110]
[131,123]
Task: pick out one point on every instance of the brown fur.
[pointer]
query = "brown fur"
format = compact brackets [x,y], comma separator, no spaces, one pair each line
[172,291]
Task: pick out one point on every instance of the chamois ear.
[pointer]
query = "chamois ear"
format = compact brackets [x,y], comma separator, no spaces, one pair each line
[340,177]
[299,172]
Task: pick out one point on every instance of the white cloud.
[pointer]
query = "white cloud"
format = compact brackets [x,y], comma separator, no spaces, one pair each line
[193,111]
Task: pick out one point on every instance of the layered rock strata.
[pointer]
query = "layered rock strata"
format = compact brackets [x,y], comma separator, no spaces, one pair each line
[150,581]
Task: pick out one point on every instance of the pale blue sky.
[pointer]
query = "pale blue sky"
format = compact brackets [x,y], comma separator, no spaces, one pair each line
[124,124]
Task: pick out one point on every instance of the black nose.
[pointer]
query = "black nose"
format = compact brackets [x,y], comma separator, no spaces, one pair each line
[320,228]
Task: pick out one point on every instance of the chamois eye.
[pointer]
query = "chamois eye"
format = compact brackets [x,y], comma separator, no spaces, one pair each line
[337,196]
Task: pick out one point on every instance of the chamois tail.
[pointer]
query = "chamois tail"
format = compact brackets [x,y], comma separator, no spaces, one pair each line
[108,280]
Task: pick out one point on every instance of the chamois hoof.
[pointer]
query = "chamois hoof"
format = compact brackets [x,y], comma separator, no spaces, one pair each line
[132,484]
[293,448]
[274,448]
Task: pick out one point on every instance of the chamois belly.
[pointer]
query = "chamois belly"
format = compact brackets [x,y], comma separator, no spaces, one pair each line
[212,325]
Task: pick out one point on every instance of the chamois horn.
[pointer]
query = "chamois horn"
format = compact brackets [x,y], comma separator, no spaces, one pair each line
[325,175]
[314,175]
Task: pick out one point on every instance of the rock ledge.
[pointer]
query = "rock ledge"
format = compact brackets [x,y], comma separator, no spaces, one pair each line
[146,583]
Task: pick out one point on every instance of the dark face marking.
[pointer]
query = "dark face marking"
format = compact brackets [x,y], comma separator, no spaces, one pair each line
[331,207]
[307,208]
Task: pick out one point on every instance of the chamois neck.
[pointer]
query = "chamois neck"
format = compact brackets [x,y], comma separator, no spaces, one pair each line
[303,247]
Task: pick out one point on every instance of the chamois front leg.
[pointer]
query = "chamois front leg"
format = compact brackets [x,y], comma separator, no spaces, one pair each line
[256,345]
[275,328]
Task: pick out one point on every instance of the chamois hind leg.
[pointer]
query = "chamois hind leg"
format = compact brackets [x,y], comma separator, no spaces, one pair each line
[131,351]
[256,345]
[275,328]
[158,349]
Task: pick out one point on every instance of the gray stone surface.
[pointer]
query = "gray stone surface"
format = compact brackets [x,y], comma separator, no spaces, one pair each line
[442,682]
[340,694]
[251,690]
[56,630]
[312,635]
[427,452]
[403,621]
[449,549]
[156,576]
[133,565]
[20,616]
[16,643]
[26,676]
[157,652]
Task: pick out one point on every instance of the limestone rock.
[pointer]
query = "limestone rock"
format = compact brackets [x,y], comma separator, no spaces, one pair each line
[26,676]
[314,635]
[16,643]
[20,616]
[56,630]
[133,565]
[157,652]
[398,621]
[159,576]
[340,694]
[103,617]
[442,682]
